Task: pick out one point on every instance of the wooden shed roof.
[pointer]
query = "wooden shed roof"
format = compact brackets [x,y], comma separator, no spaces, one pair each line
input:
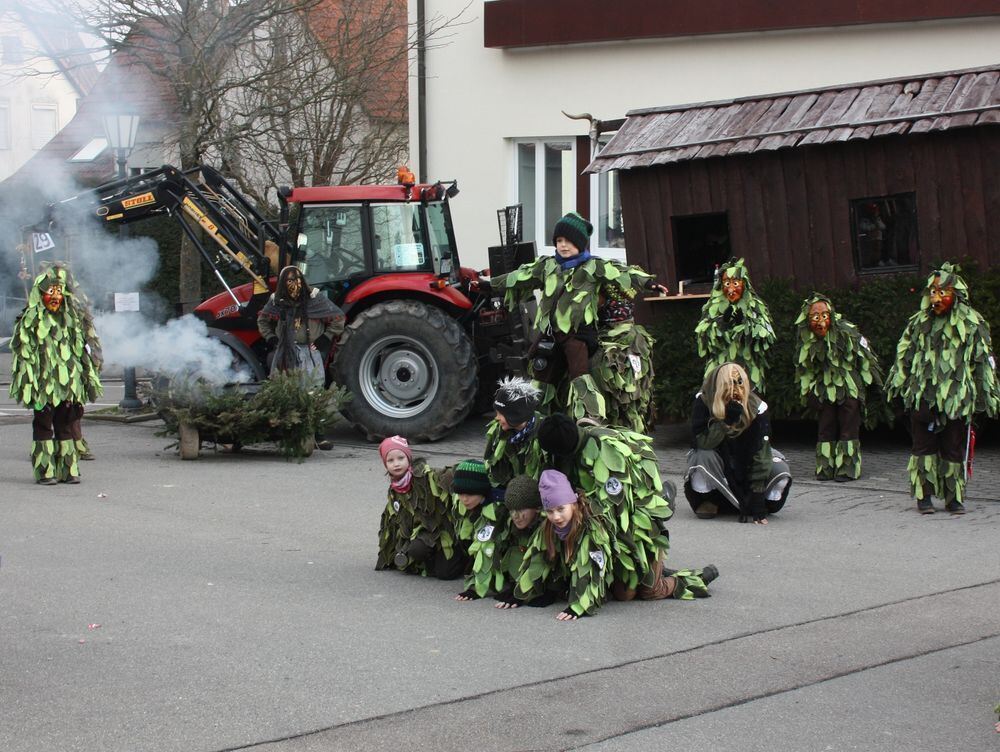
[915,104]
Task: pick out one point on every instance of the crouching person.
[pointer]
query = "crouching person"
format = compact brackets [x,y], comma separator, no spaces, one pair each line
[569,555]
[500,541]
[416,534]
[732,466]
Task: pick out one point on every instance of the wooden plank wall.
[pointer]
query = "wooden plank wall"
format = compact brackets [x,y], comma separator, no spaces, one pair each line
[789,210]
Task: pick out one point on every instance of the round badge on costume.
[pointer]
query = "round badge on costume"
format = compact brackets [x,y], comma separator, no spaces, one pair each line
[613,486]
[485,534]
[598,557]
[395,505]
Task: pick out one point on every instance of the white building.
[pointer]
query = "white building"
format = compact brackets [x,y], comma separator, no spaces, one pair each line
[44,70]
[495,88]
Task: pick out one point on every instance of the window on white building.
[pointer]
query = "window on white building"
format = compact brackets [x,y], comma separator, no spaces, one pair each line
[545,183]
[4,124]
[44,123]
[606,208]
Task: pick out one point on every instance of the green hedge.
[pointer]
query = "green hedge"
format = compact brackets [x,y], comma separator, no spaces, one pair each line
[880,308]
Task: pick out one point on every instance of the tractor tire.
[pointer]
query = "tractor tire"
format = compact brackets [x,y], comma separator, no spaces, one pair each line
[410,368]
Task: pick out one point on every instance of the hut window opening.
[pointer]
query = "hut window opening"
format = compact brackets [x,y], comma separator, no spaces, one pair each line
[701,241]
[884,232]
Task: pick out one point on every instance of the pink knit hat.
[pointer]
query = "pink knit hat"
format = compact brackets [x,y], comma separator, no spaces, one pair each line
[395,442]
[555,489]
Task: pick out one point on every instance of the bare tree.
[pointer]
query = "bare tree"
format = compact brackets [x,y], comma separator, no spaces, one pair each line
[329,105]
[188,48]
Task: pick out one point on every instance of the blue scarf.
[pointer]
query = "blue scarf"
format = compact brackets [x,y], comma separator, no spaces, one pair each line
[524,433]
[574,261]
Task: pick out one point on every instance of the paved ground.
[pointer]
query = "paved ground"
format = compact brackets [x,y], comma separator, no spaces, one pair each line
[230,603]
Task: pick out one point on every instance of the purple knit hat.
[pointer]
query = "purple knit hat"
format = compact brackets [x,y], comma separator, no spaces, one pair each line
[555,489]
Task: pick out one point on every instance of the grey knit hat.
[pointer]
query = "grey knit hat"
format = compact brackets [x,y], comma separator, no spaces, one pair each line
[522,493]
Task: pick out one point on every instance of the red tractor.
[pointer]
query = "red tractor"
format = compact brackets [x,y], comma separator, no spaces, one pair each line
[420,339]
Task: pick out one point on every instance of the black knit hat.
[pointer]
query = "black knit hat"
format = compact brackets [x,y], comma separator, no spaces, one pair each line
[516,399]
[522,493]
[575,229]
[558,435]
[470,478]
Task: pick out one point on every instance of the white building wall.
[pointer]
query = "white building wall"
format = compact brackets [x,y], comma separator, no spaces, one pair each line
[479,99]
[19,93]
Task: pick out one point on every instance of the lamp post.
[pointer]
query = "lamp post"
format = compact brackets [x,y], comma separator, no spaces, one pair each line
[121,129]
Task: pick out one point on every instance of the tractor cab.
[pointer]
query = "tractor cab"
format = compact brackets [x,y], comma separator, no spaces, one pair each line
[347,235]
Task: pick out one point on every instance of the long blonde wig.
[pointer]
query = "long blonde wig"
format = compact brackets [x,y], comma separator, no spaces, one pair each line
[726,377]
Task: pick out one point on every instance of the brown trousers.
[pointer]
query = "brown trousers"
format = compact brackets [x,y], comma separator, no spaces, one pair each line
[56,421]
[839,422]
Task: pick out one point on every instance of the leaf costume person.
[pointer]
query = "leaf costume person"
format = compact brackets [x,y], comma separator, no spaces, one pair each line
[616,469]
[512,436]
[53,373]
[735,324]
[944,373]
[500,540]
[416,532]
[572,284]
[731,465]
[835,370]
[569,553]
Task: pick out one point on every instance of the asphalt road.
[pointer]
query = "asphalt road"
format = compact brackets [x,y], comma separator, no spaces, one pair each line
[230,603]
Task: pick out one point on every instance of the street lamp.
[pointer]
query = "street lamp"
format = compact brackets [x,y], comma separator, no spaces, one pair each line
[121,129]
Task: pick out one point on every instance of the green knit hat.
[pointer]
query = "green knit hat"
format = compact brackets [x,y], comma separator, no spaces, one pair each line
[575,229]
[522,493]
[470,478]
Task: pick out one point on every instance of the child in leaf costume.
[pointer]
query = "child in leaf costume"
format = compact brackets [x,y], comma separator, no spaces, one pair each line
[416,533]
[574,286]
[616,469]
[735,324]
[944,373]
[731,465]
[570,552]
[835,370]
[500,540]
[512,436]
[54,373]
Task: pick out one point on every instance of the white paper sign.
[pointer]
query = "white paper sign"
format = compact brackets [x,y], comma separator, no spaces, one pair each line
[41,241]
[408,254]
[126,301]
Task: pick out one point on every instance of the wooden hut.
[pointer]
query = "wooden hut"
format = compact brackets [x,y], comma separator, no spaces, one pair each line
[824,186]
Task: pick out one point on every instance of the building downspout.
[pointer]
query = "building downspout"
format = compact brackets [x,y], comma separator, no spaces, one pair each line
[421,93]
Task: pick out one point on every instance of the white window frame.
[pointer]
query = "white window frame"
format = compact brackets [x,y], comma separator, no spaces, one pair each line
[543,243]
[619,254]
[43,107]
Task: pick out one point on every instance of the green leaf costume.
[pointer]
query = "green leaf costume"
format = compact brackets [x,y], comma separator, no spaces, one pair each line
[741,332]
[623,372]
[52,366]
[946,361]
[506,457]
[424,512]
[944,370]
[585,573]
[572,299]
[496,550]
[834,369]
[617,469]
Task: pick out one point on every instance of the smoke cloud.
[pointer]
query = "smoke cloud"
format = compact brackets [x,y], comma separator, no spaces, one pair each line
[180,348]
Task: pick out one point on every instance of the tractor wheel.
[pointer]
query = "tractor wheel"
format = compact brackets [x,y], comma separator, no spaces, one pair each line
[410,368]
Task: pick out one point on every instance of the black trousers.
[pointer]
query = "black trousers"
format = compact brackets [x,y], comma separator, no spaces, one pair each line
[948,443]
